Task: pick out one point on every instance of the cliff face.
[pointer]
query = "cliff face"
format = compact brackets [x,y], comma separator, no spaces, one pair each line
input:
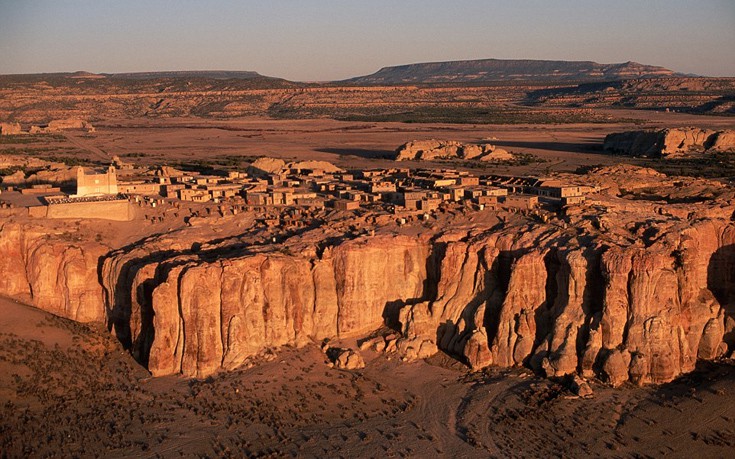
[182,315]
[53,272]
[534,297]
[635,313]
[553,298]
[485,70]
[449,149]
[670,142]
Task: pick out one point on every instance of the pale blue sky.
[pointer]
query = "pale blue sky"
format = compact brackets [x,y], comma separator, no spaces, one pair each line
[334,39]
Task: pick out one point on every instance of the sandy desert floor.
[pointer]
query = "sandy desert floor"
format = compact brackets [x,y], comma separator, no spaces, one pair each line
[69,390]
[562,147]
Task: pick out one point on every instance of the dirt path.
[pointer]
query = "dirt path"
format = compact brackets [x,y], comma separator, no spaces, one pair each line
[87,146]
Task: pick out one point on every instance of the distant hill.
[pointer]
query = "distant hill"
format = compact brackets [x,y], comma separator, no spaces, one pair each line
[492,70]
[715,96]
[208,74]
[61,78]
[146,82]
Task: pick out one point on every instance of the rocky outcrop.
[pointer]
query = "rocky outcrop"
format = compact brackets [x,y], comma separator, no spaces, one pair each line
[639,300]
[537,296]
[10,129]
[69,124]
[323,166]
[428,150]
[181,315]
[623,313]
[266,166]
[346,359]
[670,142]
[53,272]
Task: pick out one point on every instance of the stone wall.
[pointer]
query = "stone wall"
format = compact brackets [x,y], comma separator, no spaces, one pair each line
[106,210]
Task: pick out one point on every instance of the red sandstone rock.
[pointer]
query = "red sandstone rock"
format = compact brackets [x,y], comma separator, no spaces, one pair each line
[634,303]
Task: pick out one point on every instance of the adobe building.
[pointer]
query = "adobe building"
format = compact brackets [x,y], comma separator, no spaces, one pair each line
[96,184]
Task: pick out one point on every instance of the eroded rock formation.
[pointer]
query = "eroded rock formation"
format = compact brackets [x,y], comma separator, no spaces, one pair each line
[10,129]
[670,142]
[534,296]
[635,292]
[54,272]
[428,150]
[194,317]
[265,166]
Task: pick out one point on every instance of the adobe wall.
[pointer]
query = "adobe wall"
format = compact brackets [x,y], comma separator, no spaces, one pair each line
[106,210]
[96,184]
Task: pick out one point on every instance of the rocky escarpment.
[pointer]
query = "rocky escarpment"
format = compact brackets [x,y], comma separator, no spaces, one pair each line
[485,70]
[693,95]
[184,315]
[636,292]
[670,142]
[538,296]
[428,150]
[635,313]
[54,272]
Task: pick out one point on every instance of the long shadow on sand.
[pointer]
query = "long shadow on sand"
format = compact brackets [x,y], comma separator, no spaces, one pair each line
[721,282]
[588,147]
[360,152]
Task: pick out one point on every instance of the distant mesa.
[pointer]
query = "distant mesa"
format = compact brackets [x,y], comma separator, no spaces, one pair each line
[427,150]
[87,75]
[486,70]
[670,142]
[207,74]
[204,74]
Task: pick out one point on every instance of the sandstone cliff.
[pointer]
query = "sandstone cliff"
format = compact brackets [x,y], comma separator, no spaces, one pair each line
[428,150]
[670,142]
[183,315]
[644,314]
[54,272]
[635,292]
[535,296]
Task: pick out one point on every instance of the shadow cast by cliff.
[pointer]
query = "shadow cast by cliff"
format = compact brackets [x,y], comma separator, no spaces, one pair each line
[721,282]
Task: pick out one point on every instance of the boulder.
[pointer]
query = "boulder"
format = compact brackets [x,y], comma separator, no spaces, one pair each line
[349,359]
[580,387]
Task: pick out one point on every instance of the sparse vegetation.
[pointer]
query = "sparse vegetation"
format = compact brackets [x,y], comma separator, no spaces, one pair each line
[709,165]
[484,115]
[30,138]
